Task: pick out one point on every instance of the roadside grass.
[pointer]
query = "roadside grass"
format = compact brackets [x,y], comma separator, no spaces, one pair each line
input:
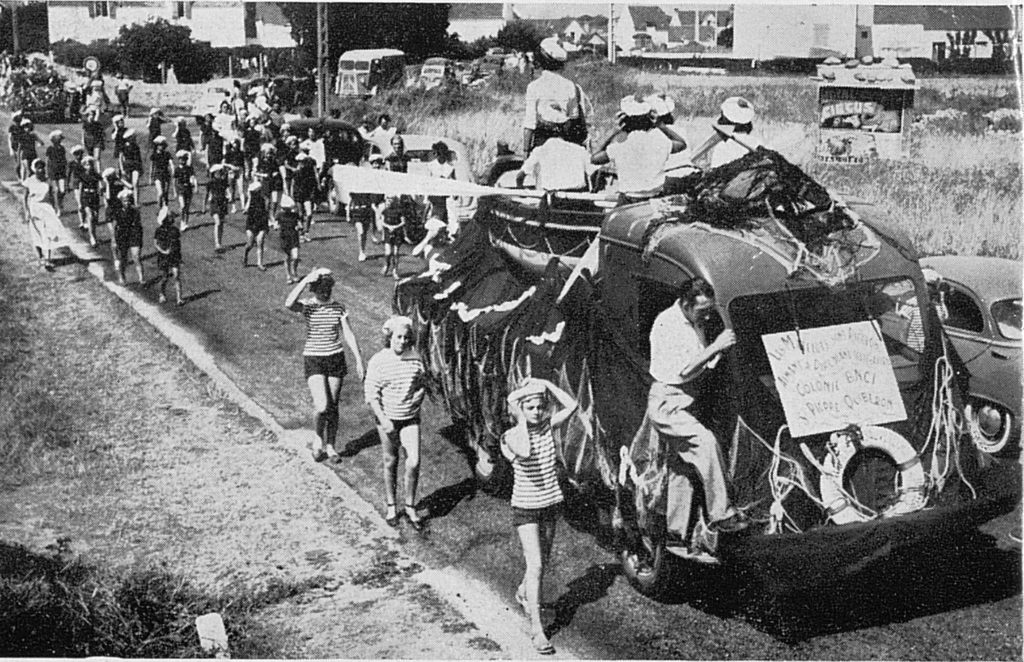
[57,604]
[958,191]
[58,413]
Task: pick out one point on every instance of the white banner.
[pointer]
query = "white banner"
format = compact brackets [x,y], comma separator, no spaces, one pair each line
[834,376]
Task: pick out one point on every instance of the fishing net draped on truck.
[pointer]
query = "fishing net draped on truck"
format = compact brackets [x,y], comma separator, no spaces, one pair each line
[814,294]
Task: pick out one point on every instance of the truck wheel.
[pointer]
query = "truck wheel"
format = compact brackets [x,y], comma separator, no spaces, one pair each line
[991,428]
[646,566]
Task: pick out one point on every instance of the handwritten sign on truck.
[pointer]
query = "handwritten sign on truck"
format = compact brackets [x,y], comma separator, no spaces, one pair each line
[832,376]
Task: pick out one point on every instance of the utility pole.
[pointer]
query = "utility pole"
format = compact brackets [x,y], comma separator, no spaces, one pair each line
[322,63]
[611,32]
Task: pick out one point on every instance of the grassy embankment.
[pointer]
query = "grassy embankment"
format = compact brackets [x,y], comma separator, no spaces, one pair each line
[56,428]
[958,192]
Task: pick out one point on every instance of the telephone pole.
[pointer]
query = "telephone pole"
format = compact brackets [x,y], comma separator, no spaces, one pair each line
[322,61]
[611,33]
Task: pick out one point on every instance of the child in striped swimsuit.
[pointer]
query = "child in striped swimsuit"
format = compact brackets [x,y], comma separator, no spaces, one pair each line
[394,389]
[324,355]
[536,495]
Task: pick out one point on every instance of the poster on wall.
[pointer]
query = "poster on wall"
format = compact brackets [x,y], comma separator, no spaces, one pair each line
[831,377]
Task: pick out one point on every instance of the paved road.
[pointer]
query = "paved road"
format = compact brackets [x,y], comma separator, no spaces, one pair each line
[964,605]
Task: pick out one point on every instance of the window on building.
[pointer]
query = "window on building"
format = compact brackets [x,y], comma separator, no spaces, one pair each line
[104,8]
[181,10]
[863,34]
[821,34]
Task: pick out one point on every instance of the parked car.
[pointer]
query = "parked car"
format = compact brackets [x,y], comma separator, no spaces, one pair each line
[437,72]
[984,303]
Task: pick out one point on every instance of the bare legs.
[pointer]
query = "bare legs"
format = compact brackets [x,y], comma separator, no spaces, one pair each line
[536,540]
[257,241]
[325,392]
[408,438]
[173,273]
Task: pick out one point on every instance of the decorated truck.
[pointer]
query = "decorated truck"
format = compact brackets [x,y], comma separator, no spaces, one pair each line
[842,438]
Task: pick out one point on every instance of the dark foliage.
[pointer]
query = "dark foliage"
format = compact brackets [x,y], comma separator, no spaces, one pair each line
[33,27]
[418,29]
[142,48]
[519,36]
[72,53]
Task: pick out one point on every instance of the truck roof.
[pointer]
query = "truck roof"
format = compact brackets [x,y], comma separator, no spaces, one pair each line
[887,74]
[370,53]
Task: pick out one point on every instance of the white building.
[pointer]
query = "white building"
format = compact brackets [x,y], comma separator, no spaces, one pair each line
[764,32]
[474,20]
[940,32]
[225,24]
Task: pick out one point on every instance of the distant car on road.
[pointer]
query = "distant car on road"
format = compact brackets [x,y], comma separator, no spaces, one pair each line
[437,72]
[984,303]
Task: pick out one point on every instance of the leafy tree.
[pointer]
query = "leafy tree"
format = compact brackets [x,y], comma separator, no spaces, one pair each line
[33,33]
[418,29]
[144,46]
[519,36]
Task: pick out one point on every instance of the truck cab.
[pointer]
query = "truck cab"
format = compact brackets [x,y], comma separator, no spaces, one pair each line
[365,72]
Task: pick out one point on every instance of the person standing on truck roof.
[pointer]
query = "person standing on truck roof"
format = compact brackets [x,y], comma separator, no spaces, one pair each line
[638,149]
[738,114]
[552,99]
[680,354]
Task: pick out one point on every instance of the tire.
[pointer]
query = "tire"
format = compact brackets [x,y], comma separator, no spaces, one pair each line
[647,566]
[992,428]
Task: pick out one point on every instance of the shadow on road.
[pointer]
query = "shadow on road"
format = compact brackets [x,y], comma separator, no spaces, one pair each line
[442,501]
[199,295]
[590,587]
[921,580]
[366,440]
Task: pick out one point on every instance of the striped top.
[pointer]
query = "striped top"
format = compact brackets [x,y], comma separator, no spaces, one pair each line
[323,327]
[535,477]
[393,381]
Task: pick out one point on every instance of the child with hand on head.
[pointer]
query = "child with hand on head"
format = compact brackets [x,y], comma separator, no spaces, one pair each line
[536,494]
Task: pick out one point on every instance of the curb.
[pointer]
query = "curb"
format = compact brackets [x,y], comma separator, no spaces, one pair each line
[474,600]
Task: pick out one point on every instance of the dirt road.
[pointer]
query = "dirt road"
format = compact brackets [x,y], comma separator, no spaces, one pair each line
[236,316]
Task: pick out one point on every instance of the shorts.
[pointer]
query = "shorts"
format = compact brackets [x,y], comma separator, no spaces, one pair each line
[257,225]
[399,425]
[128,237]
[167,262]
[362,215]
[521,516]
[219,206]
[91,200]
[289,240]
[328,366]
[394,236]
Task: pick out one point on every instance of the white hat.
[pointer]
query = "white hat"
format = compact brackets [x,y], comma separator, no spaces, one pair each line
[25,122]
[931,276]
[125,194]
[634,106]
[528,387]
[661,103]
[376,157]
[255,186]
[216,167]
[160,140]
[181,153]
[154,111]
[117,118]
[96,83]
[552,47]
[128,133]
[738,110]
[301,156]
[107,172]
[396,322]
[56,133]
[162,215]
[77,148]
[287,202]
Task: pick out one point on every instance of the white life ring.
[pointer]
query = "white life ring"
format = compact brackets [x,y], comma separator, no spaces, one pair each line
[843,445]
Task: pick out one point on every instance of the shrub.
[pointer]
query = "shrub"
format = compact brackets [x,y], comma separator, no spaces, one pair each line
[72,53]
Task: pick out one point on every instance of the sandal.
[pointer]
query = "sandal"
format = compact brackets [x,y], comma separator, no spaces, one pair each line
[392,516]
[414,519]
[542,645]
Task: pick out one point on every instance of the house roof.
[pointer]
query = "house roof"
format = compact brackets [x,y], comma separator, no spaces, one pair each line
[550,25]
[596,21]
[271,14]
[475,11]
[946,17]
[647,15]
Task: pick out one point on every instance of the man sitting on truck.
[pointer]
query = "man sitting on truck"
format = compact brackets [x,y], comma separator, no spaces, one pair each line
[679,356]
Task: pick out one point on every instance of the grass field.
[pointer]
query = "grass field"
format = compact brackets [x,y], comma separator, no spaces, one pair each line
[959,191]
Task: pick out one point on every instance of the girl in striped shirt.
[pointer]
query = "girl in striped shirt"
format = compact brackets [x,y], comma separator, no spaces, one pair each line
[394,389]
[536,495]
[323,354]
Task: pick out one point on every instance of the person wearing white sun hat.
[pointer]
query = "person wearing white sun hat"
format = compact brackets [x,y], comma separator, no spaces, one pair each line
[552,99]
[738,115]
[639,149]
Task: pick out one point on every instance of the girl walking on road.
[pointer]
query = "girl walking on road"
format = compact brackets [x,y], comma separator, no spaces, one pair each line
[89,183]
[536,494]
[43,222]
[185,185]
[288,222]
[257,222]
[127,238]
[327,331]
[183,138]
[57,170]
[93,136]
[217,202]
[167,241]
[160,170]
[394,389]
